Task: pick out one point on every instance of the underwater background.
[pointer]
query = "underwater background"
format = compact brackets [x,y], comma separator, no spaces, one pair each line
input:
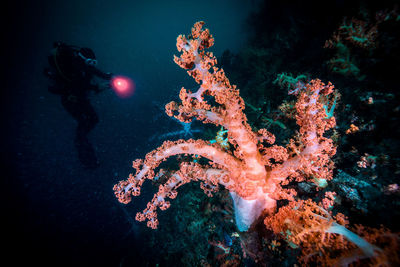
[58,211]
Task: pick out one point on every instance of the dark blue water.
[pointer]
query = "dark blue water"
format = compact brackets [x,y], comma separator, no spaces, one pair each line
[60,211]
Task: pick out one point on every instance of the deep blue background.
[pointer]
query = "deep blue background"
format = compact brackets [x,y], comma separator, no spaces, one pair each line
[56,211]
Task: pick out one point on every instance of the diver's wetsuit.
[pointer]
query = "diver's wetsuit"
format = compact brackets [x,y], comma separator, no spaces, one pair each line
[72,81]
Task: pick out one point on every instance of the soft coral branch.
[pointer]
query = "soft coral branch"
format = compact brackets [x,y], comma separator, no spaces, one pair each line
[325,239]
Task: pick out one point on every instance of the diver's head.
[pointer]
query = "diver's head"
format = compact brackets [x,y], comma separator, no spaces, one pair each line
[88,56]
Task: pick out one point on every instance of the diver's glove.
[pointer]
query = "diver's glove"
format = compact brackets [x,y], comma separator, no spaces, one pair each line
[108,75]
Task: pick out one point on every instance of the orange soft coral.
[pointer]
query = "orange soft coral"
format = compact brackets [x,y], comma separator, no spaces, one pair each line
[325,239]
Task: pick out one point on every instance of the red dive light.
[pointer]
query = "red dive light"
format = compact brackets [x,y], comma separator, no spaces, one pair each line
[122,86]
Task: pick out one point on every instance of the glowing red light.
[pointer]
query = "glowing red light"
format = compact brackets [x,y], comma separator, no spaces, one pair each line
[122,86]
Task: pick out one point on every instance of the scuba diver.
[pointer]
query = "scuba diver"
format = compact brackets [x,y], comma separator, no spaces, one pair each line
[72,71]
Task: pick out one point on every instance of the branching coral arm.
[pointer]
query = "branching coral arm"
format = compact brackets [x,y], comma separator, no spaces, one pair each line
[124,190]
[210,179]
[315,151]
[213,82]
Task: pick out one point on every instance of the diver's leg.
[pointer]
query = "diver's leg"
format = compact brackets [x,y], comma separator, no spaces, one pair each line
[87,119]
[86,122]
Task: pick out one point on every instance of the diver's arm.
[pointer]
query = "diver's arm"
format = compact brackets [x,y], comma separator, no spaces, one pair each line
[101,86]
[101,74]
